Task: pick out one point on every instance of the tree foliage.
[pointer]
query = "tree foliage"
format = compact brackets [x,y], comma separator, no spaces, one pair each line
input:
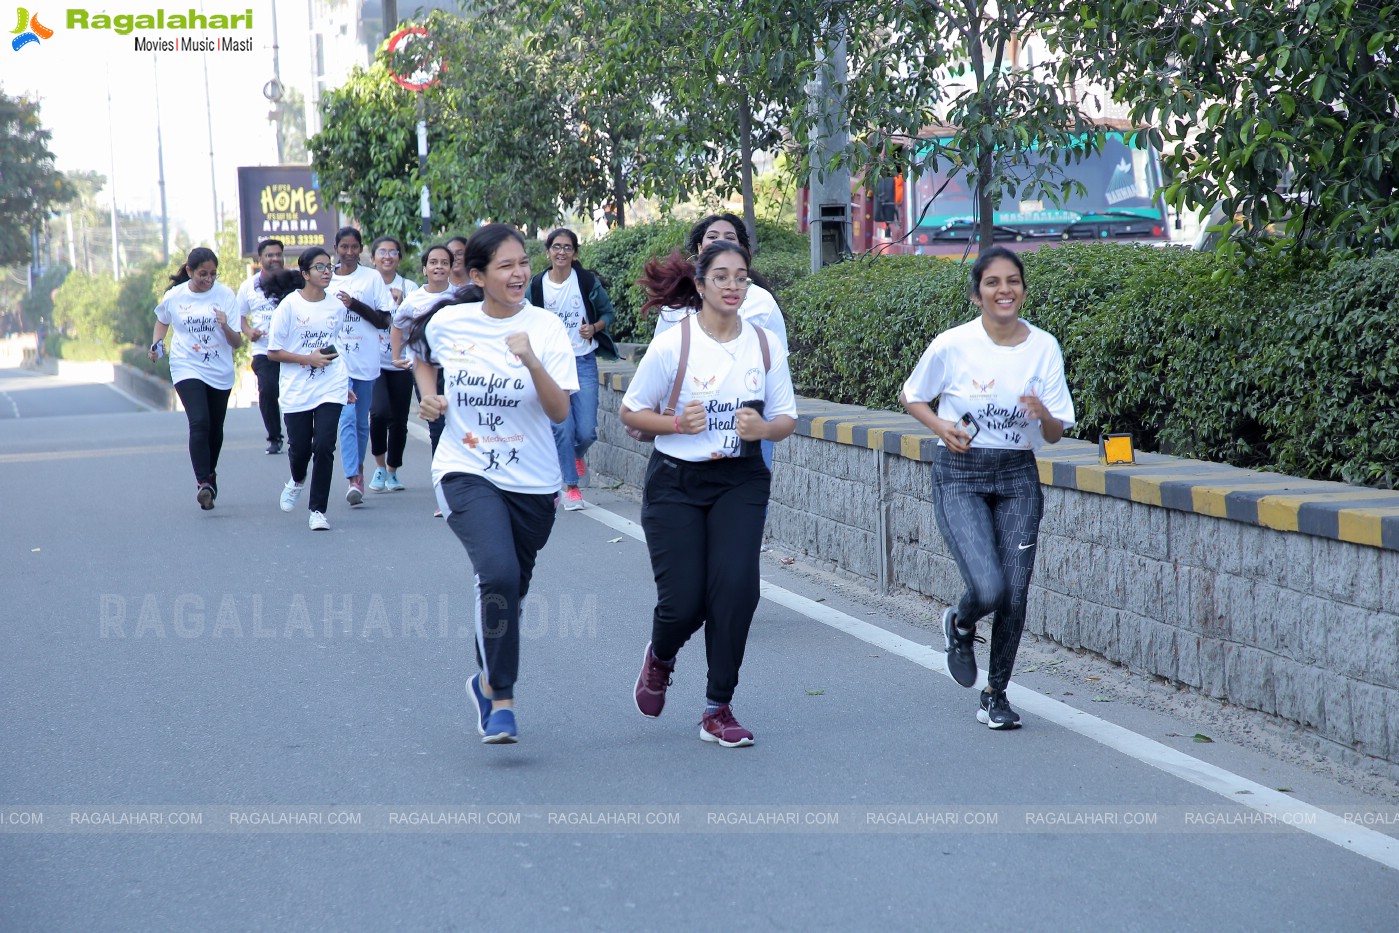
[29,184]
[1278,112]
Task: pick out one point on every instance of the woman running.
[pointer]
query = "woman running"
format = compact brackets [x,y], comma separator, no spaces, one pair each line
[706,488]
[368,310]
[578,298]
[393,391]
[999,385]
[201,359]
[508,369]
[314,383]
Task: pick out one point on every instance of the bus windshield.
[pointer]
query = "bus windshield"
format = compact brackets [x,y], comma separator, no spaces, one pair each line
[1119,200]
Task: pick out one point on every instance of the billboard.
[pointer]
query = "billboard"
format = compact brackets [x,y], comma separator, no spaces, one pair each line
[283,202]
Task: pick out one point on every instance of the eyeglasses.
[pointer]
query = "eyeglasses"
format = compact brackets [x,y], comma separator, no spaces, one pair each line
[322,267]
[561,248]
[386,253]
[727,281]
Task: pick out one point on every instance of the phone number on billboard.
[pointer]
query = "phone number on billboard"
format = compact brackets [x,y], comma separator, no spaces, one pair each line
[294,241]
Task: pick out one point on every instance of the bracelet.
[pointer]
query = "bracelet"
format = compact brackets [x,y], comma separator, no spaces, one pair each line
[677,424]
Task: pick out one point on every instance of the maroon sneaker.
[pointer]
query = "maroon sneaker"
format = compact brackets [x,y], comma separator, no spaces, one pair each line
[651,683]
[720,726]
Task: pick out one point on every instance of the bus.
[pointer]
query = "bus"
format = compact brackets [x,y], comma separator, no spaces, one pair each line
[934,214]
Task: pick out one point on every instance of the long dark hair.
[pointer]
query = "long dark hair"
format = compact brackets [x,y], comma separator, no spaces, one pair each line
[286,281]
[196,258]
[480,250]
[672,282]
[701,227]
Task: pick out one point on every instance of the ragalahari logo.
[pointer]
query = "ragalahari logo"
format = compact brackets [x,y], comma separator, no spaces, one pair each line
[28,30]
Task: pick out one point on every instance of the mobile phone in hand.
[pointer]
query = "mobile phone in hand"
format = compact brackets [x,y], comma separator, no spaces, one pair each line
[330,351]
[969,426]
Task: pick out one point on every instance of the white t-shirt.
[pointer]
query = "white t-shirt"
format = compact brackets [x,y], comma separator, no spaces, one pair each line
[566,301]
[496,427]
[719,375]
[415,305]
[759,307]
[967,372]
[199,349]
[300,326]
[359,339]
[406,286]
[255,309]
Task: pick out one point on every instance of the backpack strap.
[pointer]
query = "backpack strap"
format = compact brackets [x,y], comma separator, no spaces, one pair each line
[680,367]
[763,342]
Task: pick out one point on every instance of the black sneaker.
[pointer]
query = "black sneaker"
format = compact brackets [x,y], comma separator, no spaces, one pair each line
[275,447]
[961,658]
[995,711]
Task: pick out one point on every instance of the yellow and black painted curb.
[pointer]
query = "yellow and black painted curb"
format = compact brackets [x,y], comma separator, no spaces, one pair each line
[1356,514]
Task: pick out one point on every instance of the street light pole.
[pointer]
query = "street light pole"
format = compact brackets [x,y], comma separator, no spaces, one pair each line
[160,169]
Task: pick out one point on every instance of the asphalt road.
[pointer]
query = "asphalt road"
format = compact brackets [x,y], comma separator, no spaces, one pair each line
[222,720]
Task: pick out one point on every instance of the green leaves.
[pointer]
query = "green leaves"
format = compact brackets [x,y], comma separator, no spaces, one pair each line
[32,186]
[1296,101]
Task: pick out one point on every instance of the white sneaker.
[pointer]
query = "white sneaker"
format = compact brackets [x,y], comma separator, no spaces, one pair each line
[318,522]
[290,493]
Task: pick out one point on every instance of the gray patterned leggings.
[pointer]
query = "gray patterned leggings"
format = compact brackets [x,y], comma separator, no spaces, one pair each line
[988,504]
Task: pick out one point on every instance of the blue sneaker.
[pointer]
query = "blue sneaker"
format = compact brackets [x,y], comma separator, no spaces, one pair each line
[483,705]
[378,482]
[500,728]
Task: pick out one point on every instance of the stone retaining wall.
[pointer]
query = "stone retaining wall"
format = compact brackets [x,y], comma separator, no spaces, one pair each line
[1272,593]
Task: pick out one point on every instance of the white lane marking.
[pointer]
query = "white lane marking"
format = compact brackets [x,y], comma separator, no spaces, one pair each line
[9,398]
[131,398]
[1321,823]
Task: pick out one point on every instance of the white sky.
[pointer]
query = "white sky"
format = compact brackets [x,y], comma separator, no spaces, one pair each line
[70,74]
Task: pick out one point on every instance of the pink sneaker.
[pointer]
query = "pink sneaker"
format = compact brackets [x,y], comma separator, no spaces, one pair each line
[720,726]
[651,683]
[355,493]
[573,500]
[581,467]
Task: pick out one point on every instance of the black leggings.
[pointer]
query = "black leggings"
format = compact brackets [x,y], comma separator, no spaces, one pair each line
[503,533]
[388,415]
[988,504]
[314,432]
[205,408]
[704,529]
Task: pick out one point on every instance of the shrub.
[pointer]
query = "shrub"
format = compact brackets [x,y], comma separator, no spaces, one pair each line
[1329,369]
[619,258]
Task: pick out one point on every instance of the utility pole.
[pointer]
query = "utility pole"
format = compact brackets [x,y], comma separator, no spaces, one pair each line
[160,169]
[213,173]
[112,156]
[277,88]
[828,193]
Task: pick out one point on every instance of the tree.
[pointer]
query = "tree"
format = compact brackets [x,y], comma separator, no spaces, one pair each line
[29,183]
[85,307]
[1275,111]
[710,84]
[290,112]
[957,65]
[502,144]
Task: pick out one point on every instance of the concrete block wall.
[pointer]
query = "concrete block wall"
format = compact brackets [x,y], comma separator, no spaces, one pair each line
[1268,592]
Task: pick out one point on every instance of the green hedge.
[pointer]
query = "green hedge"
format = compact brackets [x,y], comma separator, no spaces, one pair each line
[783,258]
[1275,369]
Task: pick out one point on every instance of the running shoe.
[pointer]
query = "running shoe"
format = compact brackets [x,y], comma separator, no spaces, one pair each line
[378,482]
[354,494]
[205,496]
[274,447]
[720,726]
[573,500]
[961,657]
[500,728]
[652,682]
[318,522]
[290,493]
[995,711]
[392,482]
[483,705]
[581,467]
